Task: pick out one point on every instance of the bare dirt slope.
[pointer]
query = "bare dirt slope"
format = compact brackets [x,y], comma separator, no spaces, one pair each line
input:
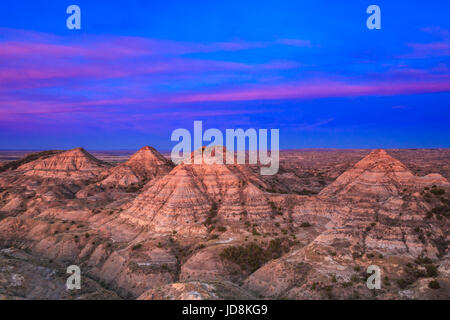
[143,228]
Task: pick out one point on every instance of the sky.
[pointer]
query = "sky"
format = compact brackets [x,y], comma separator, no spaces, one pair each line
[138,70]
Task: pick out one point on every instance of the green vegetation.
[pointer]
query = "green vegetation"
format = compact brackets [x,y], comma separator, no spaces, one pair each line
[252,256]
[275,210]
[305,192]
[403,283]
[434,284]
[423,260]
[306,225]
[432,270]
[133,188]
[212,214]
[437,192]
[137,246]
[255,232]
[221,229]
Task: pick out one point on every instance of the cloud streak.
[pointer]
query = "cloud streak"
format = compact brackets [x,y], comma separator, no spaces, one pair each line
[113,79]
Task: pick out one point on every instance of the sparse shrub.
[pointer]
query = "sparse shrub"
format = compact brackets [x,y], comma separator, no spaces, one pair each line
[432,270]
[252,256]
[403,283]
[137,246]
[221,229]
[355,278]
[347,284]
[305,192]
[434,284]
[356,255]
[423,260]
[159,245]
[437,192]
[211,215]
[255,232]
[305,225]
[275,209]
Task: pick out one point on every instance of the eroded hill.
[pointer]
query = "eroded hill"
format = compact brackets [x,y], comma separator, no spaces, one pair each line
[147,229]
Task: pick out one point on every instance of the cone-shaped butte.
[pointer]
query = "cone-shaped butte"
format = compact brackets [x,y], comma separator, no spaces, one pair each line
[145,165]
[75,163]
[192,197]
[378,175]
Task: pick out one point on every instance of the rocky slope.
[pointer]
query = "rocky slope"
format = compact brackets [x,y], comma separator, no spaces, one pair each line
[142,167]
[212,231]
[194,197]
[76,163]
[379,175]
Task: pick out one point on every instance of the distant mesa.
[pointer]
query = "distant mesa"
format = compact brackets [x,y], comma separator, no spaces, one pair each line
[145,165]
[378,175]
[75,163]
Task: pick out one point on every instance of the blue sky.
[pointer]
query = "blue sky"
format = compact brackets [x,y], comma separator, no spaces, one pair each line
[137,70]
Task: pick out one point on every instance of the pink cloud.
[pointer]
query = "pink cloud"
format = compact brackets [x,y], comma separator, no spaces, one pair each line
[426,50]
[295,42]
[439,48]
[26,43]
[316,90]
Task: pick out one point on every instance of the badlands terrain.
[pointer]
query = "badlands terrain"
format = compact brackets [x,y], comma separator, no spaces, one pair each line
[140,227]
